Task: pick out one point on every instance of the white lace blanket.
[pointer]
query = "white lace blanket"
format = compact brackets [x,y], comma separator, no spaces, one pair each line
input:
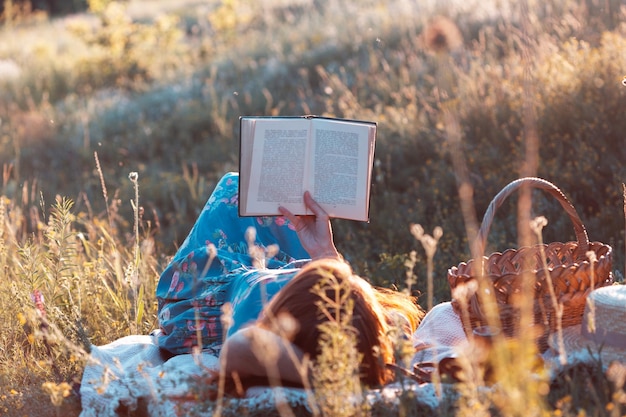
[130,374]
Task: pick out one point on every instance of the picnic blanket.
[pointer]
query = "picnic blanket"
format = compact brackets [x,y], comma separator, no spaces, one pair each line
[131,374]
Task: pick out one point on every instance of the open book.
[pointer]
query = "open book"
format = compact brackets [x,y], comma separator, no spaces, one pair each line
[281,157]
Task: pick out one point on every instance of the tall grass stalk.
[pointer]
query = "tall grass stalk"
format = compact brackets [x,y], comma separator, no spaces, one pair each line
[103,187]
[336,383]
[132,271]
[529,167]
[430,247]
[466,199]
[537,226]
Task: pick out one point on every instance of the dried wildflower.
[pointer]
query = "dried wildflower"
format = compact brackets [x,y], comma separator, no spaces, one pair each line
[591,317]
[336,379]
[616,373]
[442,35]
[57,392]
[430,247]
[37,298]
[250,235]
[409,264]
[211,250]
[271,251]
[537,224]
[227,317]
[464,291]
[287,325]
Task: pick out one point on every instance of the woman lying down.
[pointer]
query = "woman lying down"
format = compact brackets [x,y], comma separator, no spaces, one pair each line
[238,283]
[277,347]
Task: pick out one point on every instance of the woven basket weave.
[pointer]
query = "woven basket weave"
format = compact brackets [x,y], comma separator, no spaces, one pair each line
[573,275]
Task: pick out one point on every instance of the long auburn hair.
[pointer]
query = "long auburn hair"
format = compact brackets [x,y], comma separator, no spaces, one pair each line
[396,302]
[299,300]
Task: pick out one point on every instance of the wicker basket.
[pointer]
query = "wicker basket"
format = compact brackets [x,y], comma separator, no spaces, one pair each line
[573,275]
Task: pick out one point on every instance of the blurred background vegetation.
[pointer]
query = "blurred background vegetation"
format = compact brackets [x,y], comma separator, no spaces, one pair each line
[473,92]
[157,88]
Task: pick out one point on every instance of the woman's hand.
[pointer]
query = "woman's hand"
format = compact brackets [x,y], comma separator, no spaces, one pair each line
[314,231]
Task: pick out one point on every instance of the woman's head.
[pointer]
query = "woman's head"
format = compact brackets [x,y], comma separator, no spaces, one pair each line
[301,297]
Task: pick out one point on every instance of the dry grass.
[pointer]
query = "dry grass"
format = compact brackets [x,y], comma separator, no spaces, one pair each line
[464,103]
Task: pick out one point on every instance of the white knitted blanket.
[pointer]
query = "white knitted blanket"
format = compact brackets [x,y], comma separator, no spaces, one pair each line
[130,374]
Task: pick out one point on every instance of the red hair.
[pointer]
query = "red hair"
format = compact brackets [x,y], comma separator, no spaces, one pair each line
[396,302]
[299,298]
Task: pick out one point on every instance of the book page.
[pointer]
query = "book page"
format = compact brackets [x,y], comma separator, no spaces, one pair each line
[278,165]
[343,158]
[282,157]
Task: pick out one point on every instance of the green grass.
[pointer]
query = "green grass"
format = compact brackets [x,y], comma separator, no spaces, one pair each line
[157,89]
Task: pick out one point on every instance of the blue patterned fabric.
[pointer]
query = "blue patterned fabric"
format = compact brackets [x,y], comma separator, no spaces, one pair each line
[195,285]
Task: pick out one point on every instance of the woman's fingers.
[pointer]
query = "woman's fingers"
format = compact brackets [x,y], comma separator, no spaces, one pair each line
[297,221]
[314,230]
[310,203]
[288,214]
[300,222]
[314,206]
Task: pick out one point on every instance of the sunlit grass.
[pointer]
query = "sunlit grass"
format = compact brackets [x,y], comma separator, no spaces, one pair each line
[156,89]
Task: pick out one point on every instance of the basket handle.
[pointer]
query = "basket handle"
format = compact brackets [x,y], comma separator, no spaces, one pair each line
[579,228]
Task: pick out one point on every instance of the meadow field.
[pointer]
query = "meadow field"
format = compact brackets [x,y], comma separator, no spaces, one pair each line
[116,123]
